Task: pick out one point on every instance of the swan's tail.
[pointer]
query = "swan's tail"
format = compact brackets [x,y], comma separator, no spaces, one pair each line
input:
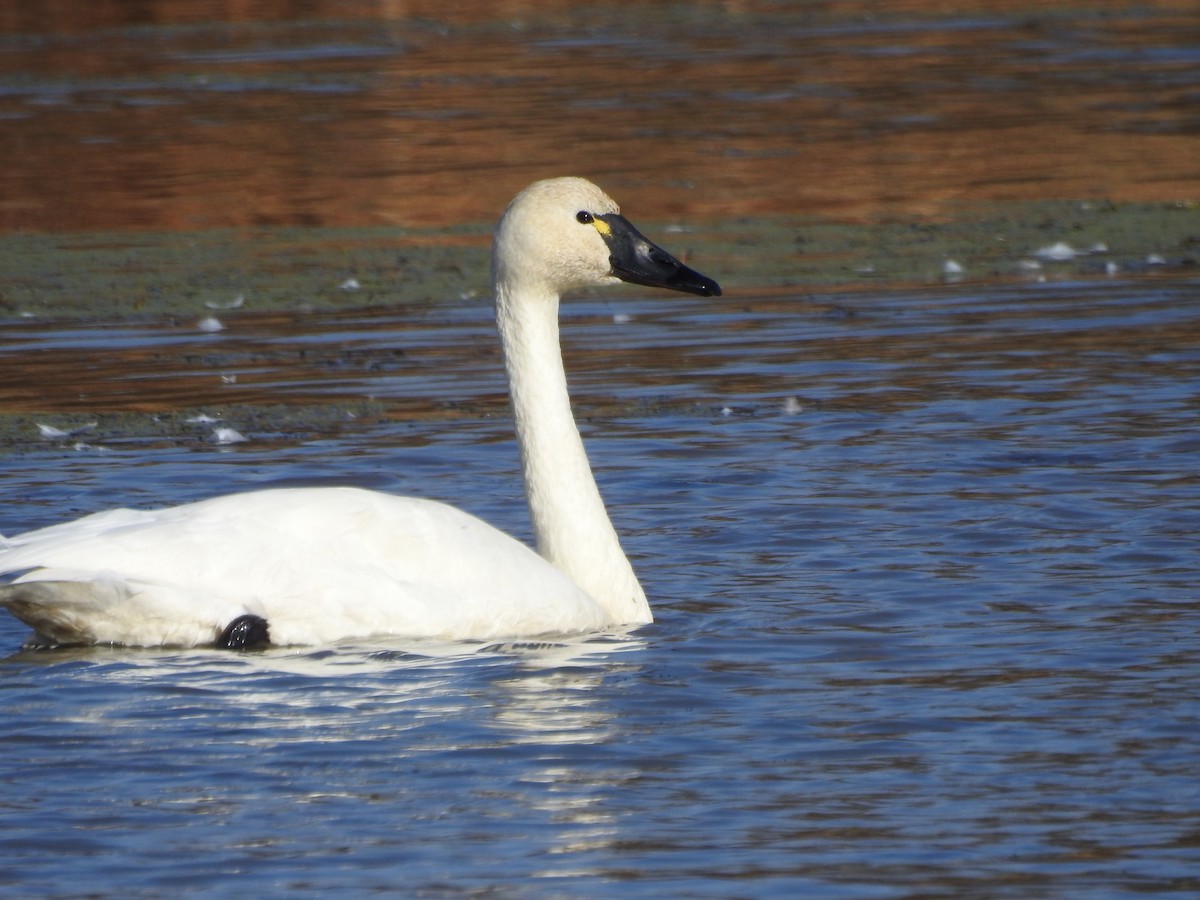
[108,610]
[55,610]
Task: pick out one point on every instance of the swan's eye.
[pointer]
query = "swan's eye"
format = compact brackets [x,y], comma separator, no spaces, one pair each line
[583,217]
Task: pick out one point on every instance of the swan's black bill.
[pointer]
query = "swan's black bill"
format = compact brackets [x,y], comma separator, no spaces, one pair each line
[638,260]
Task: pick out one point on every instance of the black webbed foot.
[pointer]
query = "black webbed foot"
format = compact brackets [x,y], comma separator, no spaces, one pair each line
[245,633]
[38,641]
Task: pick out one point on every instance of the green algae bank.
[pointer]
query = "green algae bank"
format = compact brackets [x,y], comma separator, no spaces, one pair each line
[914,502]
[172,274]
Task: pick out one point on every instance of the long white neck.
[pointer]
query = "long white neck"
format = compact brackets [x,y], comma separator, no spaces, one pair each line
[569,520]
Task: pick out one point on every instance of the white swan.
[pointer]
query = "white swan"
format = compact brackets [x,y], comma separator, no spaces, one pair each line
[317,565]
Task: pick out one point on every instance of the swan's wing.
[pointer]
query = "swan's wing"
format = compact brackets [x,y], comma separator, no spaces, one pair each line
[317,564]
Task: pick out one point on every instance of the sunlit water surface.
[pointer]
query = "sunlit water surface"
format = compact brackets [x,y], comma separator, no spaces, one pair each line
[925,570]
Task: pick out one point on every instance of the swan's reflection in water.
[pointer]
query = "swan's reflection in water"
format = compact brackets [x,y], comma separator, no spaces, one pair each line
[467,743]
[561,714]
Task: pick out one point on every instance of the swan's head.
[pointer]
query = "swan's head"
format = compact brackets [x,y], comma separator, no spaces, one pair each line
[566,233]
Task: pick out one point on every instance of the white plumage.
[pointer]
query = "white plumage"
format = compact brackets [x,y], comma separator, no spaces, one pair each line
[325,564]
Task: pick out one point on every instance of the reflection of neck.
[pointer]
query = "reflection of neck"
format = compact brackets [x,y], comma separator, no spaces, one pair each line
[569,519]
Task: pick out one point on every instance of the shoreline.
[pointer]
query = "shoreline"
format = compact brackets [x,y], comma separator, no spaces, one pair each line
[106,276]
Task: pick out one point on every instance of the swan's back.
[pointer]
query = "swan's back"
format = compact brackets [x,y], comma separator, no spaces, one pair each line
[319,564]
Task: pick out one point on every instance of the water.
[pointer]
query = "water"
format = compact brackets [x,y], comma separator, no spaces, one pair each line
[184,114]
[924,564]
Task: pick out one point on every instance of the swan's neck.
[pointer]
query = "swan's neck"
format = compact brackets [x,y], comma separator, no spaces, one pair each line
[572,527]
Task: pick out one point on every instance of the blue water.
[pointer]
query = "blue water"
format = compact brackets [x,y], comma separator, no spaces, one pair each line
[924,565]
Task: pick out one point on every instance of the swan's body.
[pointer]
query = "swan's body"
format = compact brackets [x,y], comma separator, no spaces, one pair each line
[316,565]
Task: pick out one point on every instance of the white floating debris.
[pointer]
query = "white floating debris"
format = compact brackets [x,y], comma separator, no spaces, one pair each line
[210,324]
[228,379]
[1156,259]
[950,267]
[350,284]
[1111,268]
[202,419]
[50,433]
[235,303]
[1058,252]
[1029,265]
[791,406]
[726,410]
[622,318]
[228,436]
[1099,248]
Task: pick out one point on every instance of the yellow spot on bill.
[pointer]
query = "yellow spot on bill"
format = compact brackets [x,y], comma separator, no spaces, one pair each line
[603,227]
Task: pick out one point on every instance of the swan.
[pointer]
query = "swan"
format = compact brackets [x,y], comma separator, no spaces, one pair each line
[309,566]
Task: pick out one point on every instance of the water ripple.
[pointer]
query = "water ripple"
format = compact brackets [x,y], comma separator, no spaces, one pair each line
[931,626]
